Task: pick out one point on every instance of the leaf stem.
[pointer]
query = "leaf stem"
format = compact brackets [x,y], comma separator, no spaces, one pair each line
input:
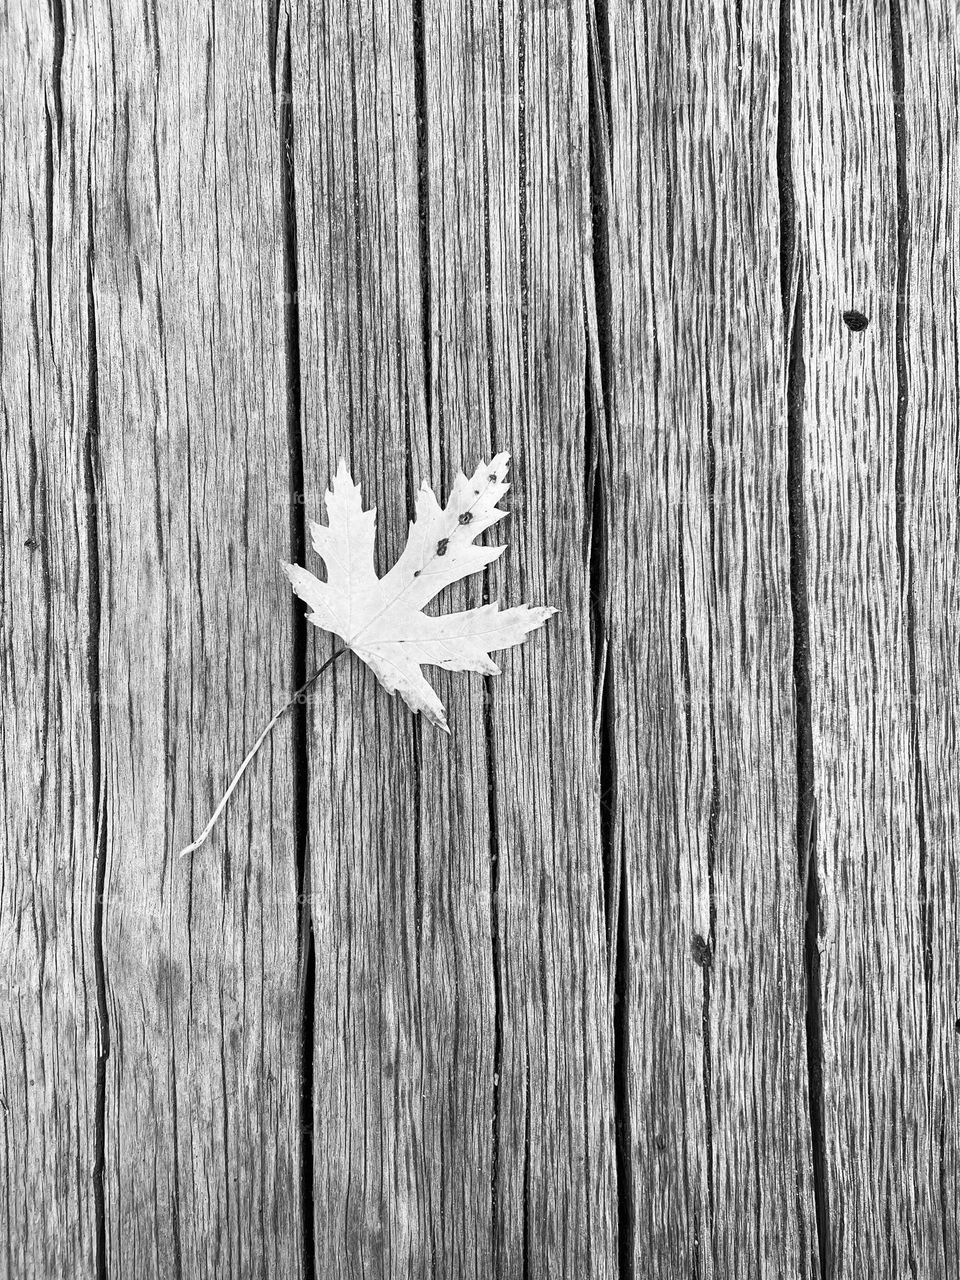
[297,697]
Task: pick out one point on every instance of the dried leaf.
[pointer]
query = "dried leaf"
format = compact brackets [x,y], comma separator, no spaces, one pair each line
[382,619]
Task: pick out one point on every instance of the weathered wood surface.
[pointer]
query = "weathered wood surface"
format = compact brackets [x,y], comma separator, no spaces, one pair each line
[651,969]
[462,1055]
[192,497]
[716,1162]
[876,409]
[50,773]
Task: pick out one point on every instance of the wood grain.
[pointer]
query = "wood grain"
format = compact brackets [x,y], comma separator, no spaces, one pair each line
[460,1053]
[192,505]
[930,444]
[374,1095]
[509,254]
[870,451]
[49,784]
[652,967]
[716,1152]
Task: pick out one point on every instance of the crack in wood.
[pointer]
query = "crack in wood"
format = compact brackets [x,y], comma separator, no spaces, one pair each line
[91,469]
[792,305]
[48,191]
[805,773]
[298,660]
[706,962]
[792,302]
[56,17]
[597,450]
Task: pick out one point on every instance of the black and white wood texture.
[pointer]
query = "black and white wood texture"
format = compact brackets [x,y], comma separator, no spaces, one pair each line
[652,967]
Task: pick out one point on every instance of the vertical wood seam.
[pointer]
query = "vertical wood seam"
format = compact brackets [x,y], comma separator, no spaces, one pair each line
[488,737]
[597,451]
[706,956]
[298,658]
[426,340]
[713,823]
[59,32]
[792,305]
[48,191]
[91,469]
[423,193]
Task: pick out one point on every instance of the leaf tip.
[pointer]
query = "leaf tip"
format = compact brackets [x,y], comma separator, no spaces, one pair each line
[437,718]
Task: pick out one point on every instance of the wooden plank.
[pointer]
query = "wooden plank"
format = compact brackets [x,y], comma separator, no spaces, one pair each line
[711,1062]
[930,442]
[710,1030]
[193,510]
[459,1070]
[375,1094]
[509,239]
[49,770]
[861,441]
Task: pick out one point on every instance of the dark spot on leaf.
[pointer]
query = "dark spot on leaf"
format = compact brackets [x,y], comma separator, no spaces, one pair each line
[855,320]
[442,546]
[466,517]
[31,543]
[493,478]
[416,573]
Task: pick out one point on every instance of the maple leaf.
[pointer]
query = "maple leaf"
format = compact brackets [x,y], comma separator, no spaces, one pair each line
[382,619]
